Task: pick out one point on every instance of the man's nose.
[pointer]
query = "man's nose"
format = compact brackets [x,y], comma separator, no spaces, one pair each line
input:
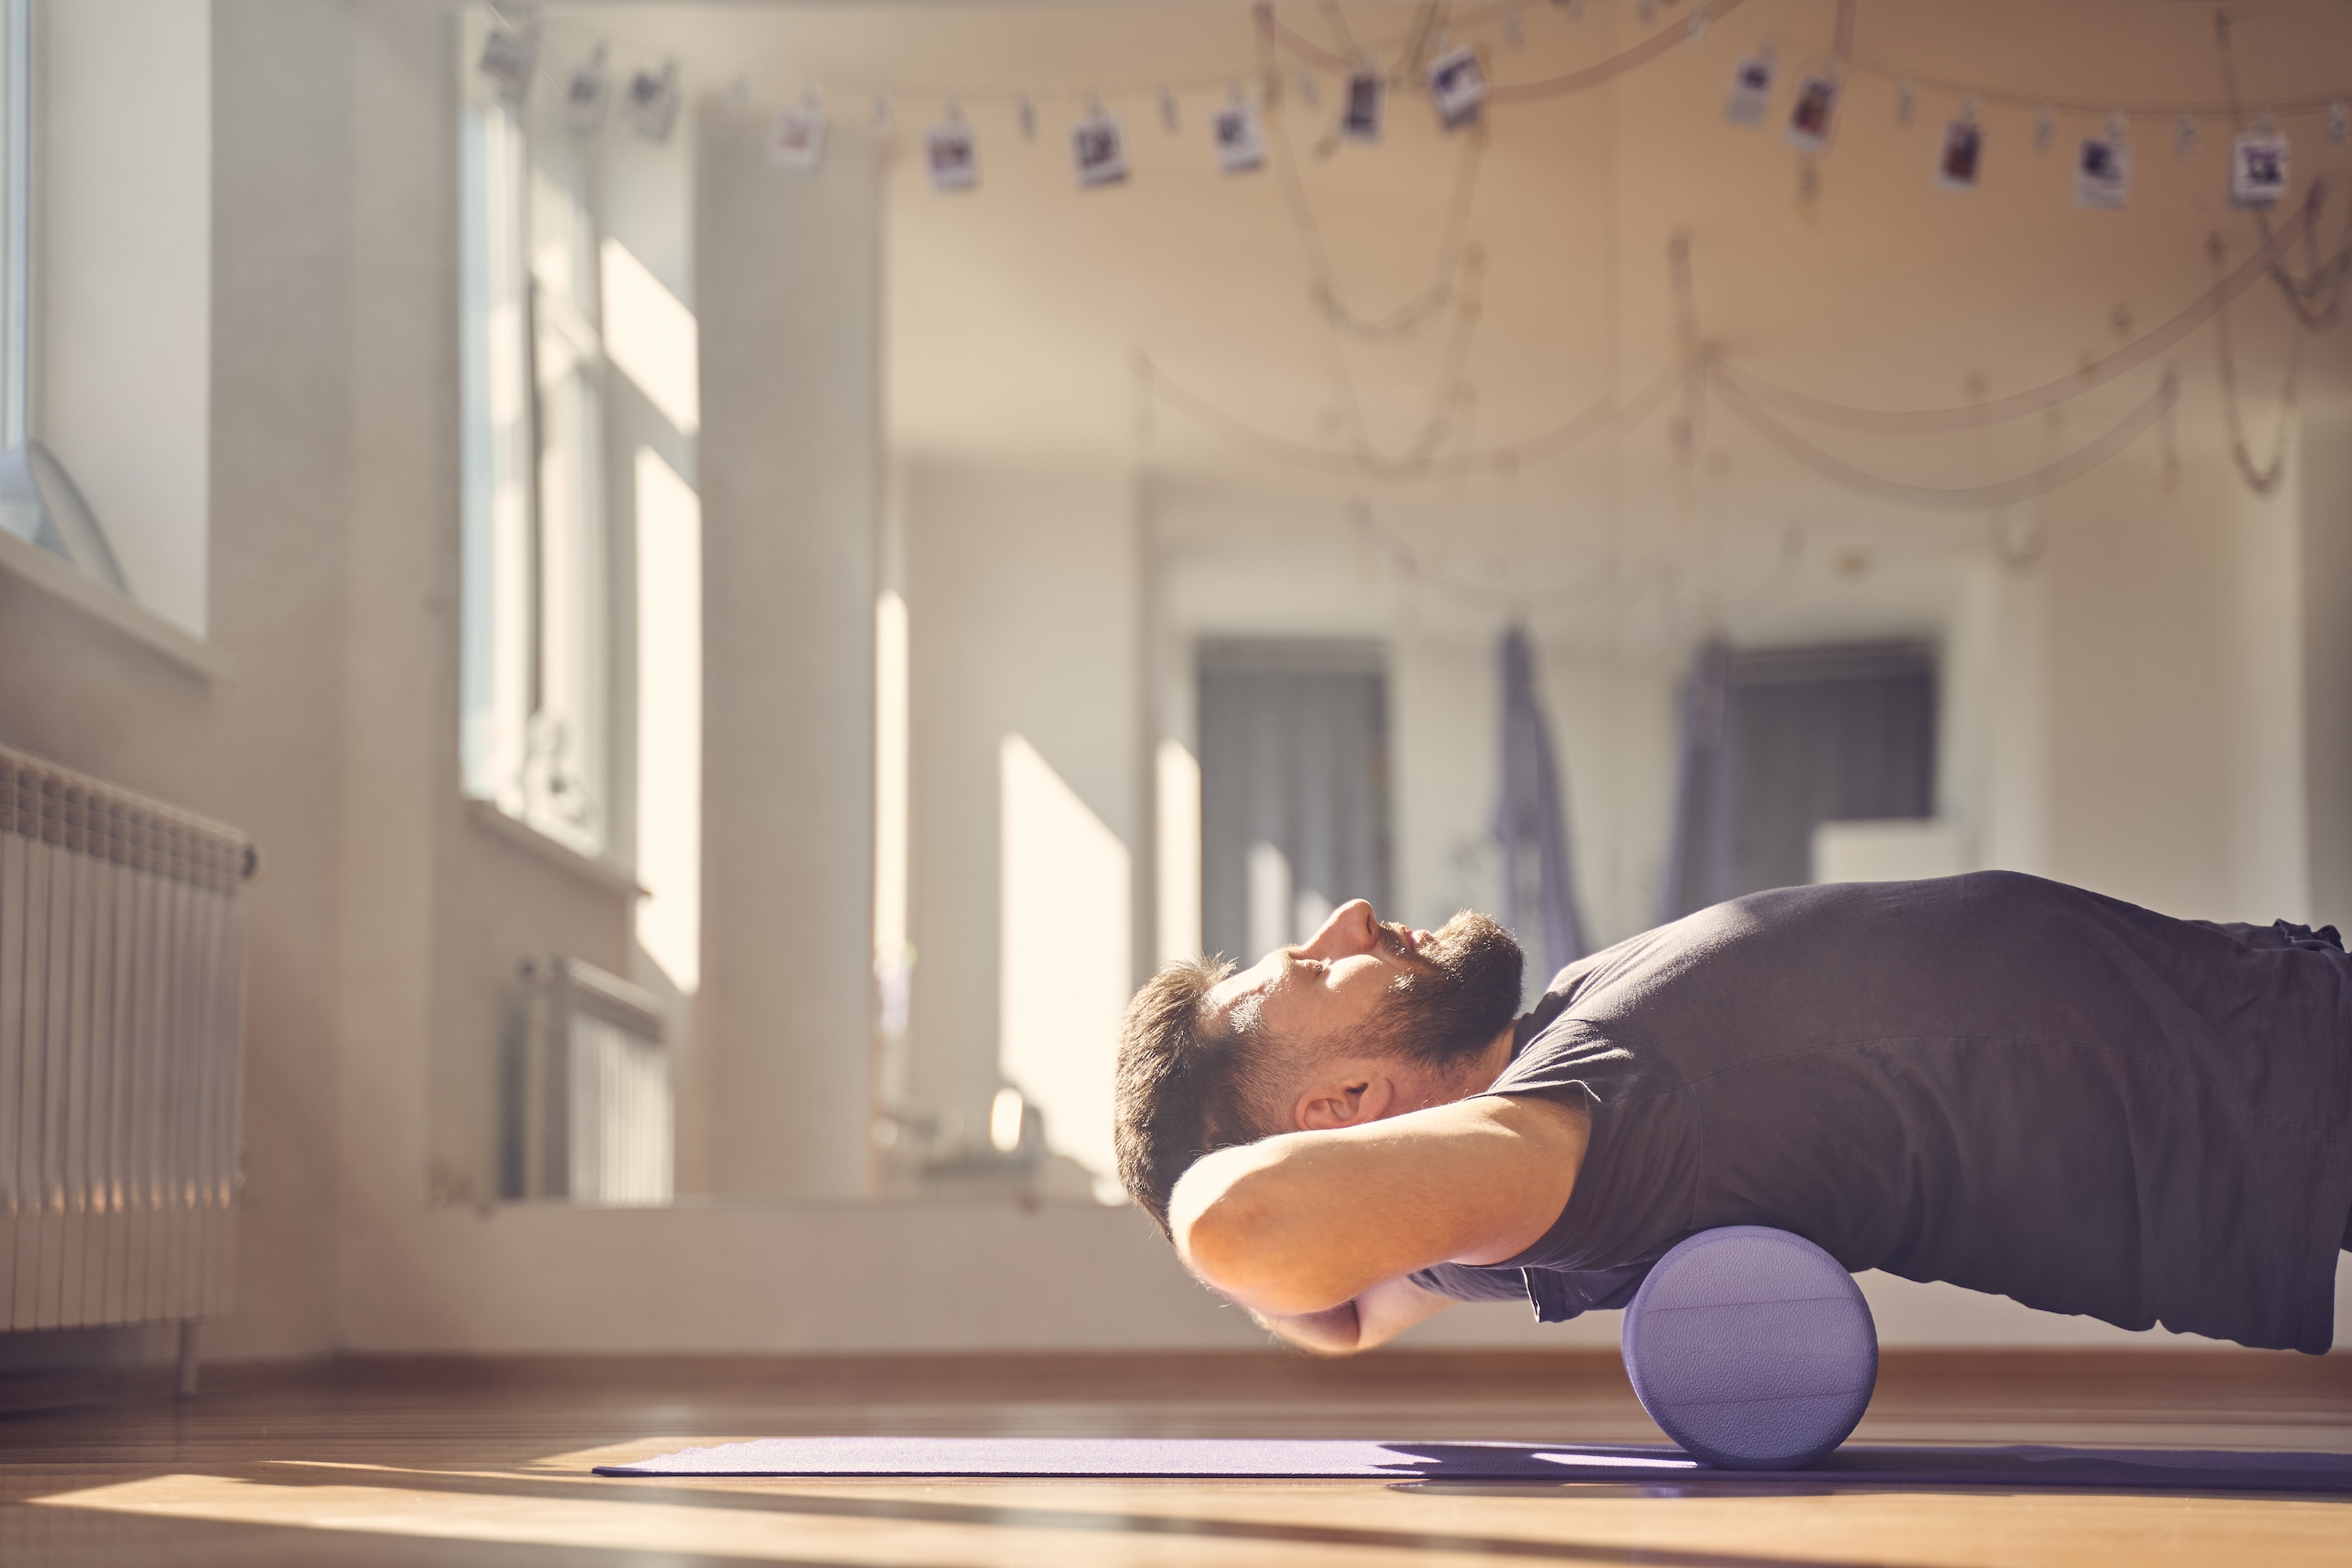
[1353,929]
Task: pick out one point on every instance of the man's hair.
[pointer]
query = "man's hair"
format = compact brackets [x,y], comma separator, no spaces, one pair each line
[1191,1083]
[1185,1082]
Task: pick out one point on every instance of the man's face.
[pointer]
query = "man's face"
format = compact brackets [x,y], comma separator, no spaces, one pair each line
[1391,989]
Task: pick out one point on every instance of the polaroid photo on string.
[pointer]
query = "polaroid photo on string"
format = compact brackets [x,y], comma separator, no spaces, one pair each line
[1457,86]
[1962,159]
[1098,149]
[508,57]
[584,92]
[1812,115]
[1751,88]
[796,140]
[2257,169]
[2103,172]
[1241,140]
[653,100]
[1359,116]
[952,156]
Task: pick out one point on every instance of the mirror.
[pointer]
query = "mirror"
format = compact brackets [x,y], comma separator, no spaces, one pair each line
[962,506]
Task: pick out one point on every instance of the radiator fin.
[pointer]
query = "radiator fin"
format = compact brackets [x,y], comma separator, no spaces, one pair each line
[587,1111]
[121,1052]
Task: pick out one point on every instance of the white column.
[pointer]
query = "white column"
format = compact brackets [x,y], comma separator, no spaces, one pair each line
[787,281]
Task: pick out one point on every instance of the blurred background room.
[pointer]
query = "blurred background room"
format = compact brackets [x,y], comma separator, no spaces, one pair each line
[746,570]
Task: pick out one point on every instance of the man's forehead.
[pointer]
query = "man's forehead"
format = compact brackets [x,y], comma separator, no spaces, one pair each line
[1237,998]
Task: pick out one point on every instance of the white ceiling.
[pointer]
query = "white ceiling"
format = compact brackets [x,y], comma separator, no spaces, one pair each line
[1017,311]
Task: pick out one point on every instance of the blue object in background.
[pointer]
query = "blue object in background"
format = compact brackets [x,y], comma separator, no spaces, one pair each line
[1531,814]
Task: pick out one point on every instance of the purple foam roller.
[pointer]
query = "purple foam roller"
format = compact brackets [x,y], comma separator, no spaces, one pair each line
[1751,1348]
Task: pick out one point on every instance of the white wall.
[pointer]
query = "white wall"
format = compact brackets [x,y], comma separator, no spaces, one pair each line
[1022,588]
[122,280]
[2325,475]
[2144,694]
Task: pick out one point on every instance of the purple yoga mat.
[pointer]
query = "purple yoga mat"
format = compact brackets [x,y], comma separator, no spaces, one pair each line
[1261,1459]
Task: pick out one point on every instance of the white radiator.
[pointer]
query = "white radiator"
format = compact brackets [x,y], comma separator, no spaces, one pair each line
[122,1053]
[586,1095]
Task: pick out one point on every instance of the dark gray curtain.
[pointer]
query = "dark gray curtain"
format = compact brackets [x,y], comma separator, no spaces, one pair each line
[1294,753]
[1776,742]
[1530,819]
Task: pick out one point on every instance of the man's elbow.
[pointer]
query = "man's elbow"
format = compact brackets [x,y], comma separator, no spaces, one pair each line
[1240,1239]
[1222,1236]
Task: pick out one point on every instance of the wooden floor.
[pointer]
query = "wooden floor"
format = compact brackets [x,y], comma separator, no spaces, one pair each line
[470,1463]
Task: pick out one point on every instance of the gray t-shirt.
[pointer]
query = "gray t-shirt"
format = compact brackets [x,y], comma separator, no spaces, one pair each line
[1995,1081]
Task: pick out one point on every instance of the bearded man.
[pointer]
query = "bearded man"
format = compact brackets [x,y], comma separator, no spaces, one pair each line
[1993,1081]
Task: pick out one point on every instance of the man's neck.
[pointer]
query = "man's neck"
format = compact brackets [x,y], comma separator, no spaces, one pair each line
[1489,1067]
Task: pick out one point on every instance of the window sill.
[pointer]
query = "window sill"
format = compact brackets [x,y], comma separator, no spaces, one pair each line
[599,871]
[24,559]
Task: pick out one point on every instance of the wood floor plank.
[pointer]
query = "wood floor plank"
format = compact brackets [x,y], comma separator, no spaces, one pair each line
[487,1463]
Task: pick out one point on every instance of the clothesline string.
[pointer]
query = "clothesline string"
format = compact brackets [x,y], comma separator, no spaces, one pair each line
[1452,248]
[1596,417]
[1604,72]
[2314,297]
[1752,414]
[1307,50]
[2048,395]
[1969,497]
[1555,596]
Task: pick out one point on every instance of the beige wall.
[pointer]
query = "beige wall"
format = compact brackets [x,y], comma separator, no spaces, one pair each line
[1022,590]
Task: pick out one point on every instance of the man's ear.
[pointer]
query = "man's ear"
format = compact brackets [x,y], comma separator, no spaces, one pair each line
[1344,1099]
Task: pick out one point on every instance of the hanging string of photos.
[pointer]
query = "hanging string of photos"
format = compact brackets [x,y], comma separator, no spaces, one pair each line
[1456,75]
[1455,78]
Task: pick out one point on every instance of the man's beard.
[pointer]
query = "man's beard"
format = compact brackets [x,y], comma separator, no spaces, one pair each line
[1462,989]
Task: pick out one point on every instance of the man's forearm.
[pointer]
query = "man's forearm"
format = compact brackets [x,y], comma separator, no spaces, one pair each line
[1335,1332]
[1305,1221]
[1374,1317]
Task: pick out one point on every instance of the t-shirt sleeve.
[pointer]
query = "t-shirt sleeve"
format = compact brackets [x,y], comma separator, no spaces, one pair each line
[1555,1294]
[1596,1063]
[1634,1192]
[1467,1284]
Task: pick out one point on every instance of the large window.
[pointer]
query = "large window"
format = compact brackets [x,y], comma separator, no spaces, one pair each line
[538,623]
[581,679]
[39,500]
